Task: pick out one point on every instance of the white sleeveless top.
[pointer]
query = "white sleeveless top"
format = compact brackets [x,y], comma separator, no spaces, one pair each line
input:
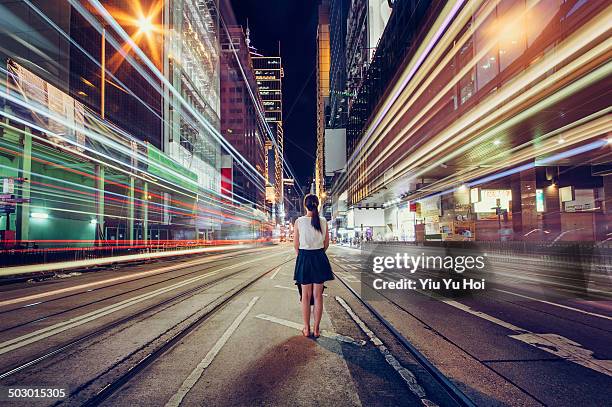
[310,238]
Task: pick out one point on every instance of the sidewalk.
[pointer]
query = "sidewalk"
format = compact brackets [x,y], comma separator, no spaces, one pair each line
[253,353]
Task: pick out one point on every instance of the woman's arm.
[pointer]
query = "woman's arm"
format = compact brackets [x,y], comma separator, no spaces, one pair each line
[296,238]
[326,241]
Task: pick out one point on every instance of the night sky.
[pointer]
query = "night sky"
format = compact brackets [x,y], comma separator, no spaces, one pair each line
[294,24]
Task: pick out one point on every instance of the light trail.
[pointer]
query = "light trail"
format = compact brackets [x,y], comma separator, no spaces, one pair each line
[502,101]
[423,78]
[567,154]
[439,26]
[125,186]
[187,106]
[224,198]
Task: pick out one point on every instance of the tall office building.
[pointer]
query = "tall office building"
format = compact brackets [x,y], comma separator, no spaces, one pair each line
[191,64]
[240,122]
[269,74]
[338,96]
[323,63]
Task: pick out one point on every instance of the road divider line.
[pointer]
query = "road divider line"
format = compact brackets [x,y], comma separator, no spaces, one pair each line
[324,333]
[557,345]
[275,273]
[556,304]
[195,375]
[408,377]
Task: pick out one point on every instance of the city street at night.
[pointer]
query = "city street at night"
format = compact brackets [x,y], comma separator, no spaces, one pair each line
[306,203]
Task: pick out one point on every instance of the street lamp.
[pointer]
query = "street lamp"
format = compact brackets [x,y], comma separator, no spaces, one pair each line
[145,27]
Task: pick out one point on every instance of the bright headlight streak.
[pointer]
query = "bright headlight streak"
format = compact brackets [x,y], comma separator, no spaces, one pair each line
[440,25]
[423,78]
[416,88]
[102,139]
[570,153]
[576,135]
[89,158]
[500,103]
[181,211]
[118,29]
[588,127]
[174,209]
[594,76]
[111,40]
[489,110]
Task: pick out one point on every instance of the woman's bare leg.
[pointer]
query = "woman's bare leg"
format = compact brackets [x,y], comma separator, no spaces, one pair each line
[306,295]
[318,306]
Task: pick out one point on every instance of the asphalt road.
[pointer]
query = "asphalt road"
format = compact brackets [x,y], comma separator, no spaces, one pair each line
[534,336]
[219,329]
[223,330]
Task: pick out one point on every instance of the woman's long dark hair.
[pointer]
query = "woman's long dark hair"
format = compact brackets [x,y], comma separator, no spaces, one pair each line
[311,202]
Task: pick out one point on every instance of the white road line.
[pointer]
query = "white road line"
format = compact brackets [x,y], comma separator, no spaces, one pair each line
[552,343]
[406,374]
[291,288]
[275,273]
[324,333]
[43,333]
[195,375]
[556,305]
[558,345]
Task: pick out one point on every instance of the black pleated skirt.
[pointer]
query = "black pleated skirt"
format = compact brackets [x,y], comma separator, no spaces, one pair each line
[312,267]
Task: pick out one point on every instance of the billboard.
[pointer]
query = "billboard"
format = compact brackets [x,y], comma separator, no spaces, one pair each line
[335,150]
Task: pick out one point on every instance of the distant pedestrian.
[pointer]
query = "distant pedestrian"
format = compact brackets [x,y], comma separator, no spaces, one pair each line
[312,266]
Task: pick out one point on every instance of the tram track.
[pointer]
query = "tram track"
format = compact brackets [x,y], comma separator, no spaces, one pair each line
[143,314]
[452,390]
[106,298]
[109,382]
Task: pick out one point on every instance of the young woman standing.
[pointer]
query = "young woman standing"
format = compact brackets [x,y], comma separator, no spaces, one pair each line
[312,268]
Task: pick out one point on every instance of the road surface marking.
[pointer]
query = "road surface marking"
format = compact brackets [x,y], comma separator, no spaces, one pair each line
[43,333]
[406,374]
[558,345]
[275,273]
[324,333]
[552,343]
[195,375]
[556,305]
[291,288]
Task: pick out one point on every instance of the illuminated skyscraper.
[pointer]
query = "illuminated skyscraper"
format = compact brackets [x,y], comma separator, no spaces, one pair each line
[323,63]
[269,74]
[240,121]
